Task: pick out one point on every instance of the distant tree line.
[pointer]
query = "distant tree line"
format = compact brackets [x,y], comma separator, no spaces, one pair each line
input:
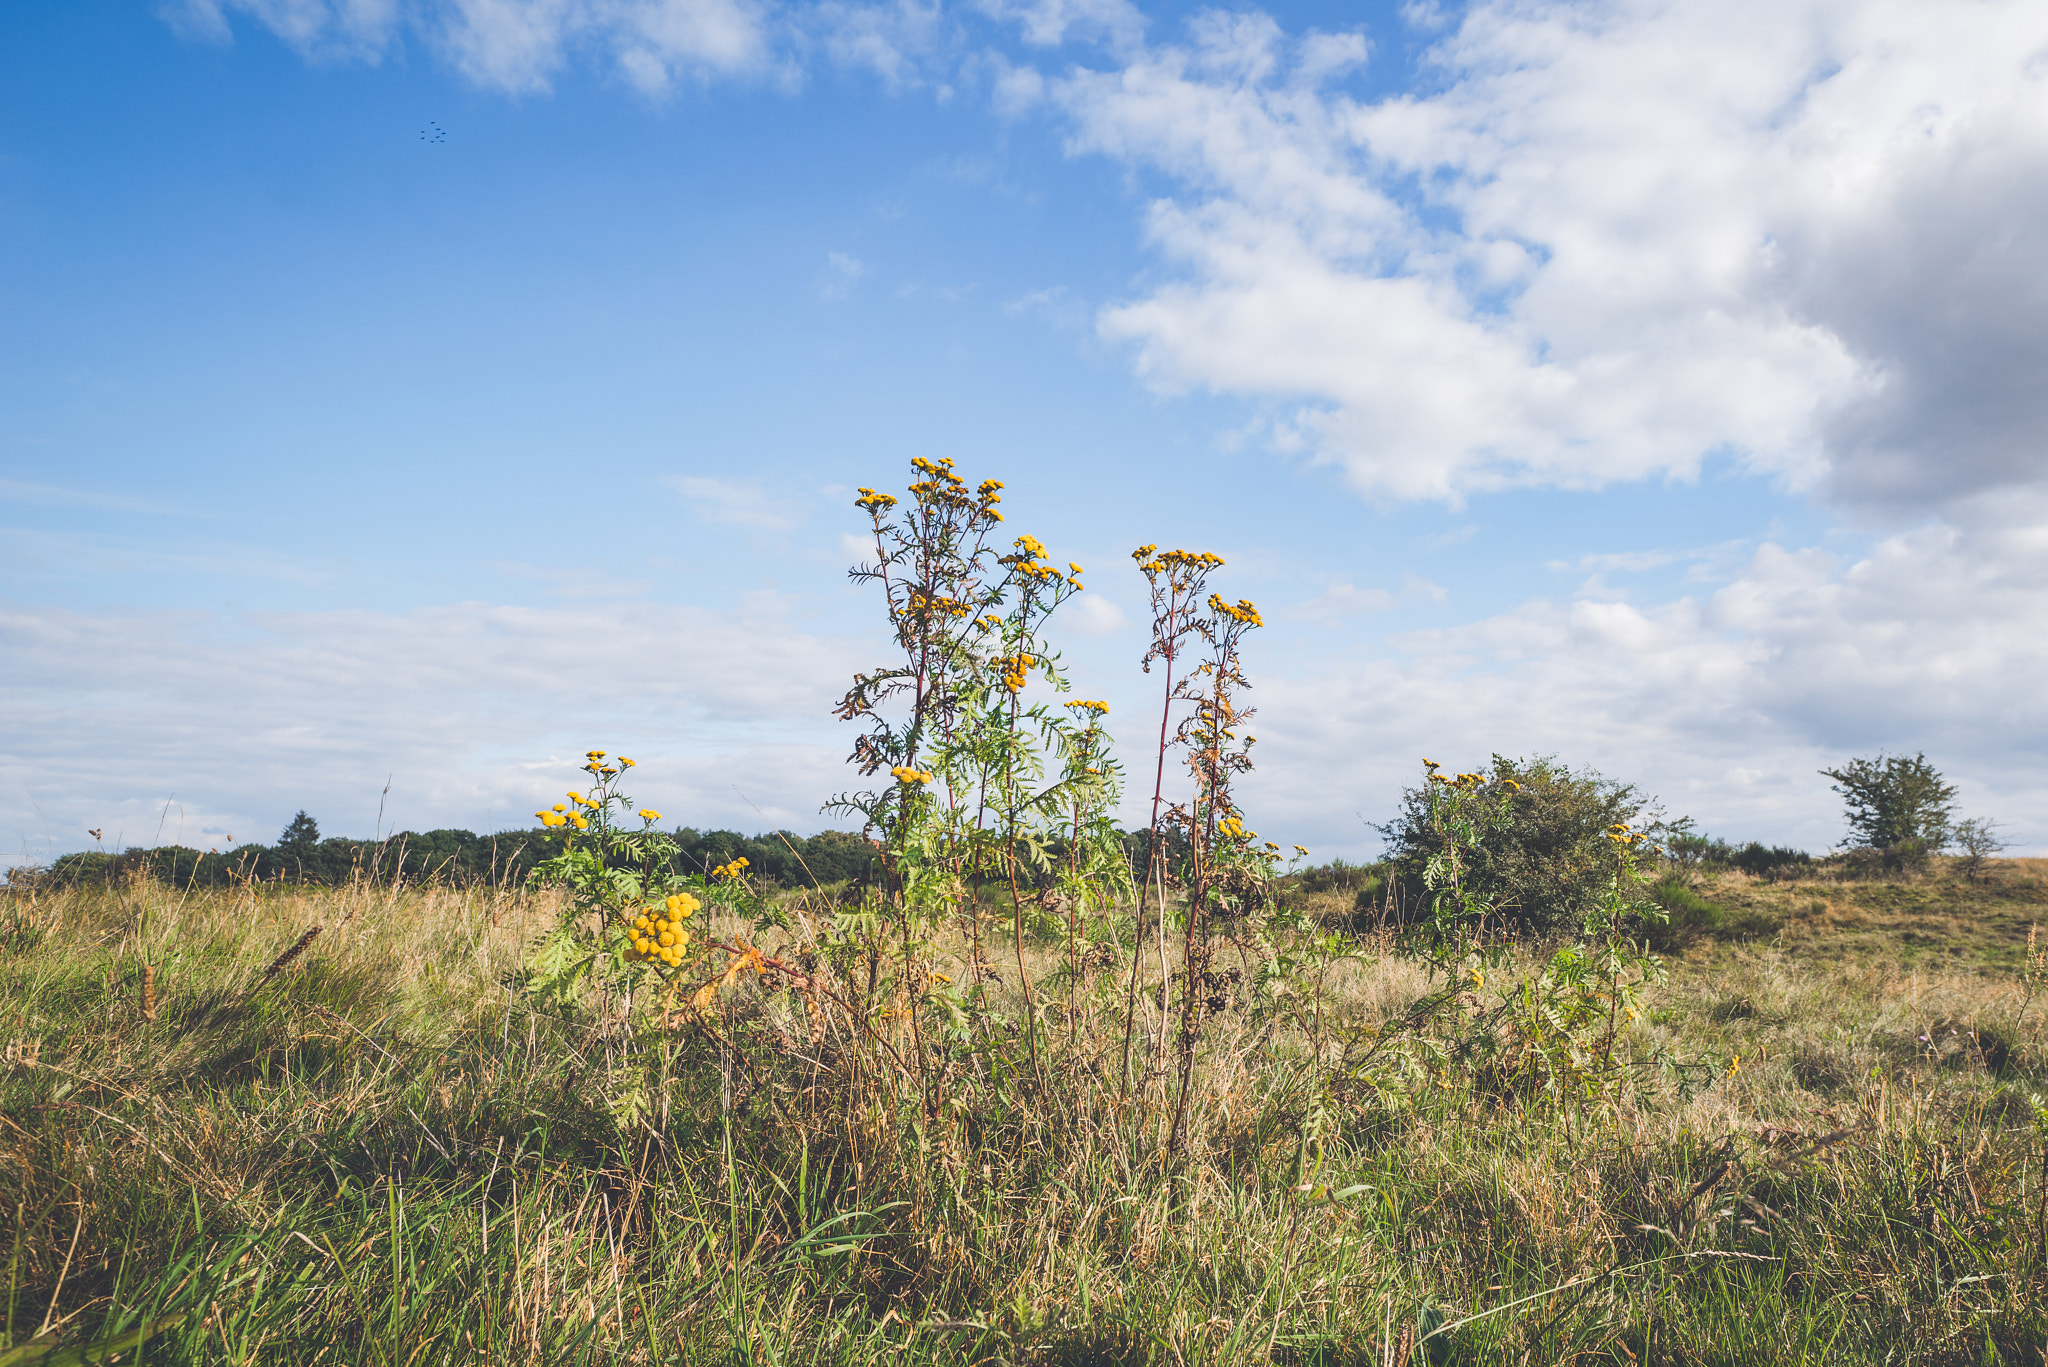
[457,857]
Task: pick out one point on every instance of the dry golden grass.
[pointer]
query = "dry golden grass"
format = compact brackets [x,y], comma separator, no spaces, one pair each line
[420,1164]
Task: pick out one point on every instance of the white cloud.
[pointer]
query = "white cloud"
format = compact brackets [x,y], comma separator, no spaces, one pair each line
[515,46]
[1339,601]
[1016,90]
[55,496]
[477,709]
[745,503]
[1095,616]
[1049,23]
[1619,238]
[894,38]
[358,29]
[1724,705]
[574,581]
[842,272]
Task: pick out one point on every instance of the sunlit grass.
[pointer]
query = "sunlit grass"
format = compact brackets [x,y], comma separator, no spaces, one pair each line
[381,1155]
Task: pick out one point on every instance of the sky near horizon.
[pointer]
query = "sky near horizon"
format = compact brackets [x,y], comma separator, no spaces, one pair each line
[421,392]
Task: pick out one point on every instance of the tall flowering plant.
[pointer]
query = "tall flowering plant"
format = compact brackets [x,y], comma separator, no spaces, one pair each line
[1175,580]
[628,929]
[1226,864]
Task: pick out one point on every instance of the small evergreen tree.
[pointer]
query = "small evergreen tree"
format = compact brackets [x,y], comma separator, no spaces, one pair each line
[299,837]
[1894,800]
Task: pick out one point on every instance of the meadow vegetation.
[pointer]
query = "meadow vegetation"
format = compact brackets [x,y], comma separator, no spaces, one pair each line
[1550,1084]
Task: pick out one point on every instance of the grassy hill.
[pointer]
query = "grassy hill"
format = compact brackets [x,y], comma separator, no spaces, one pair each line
[1826,1144]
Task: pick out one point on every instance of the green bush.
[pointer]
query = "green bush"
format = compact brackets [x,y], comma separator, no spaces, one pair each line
[1772,863]
[1550,864]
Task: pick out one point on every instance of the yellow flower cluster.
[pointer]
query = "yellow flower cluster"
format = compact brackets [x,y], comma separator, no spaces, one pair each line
[922,604]
[1301,850]
[661,937]
[732,870]
[1232,828]
[1034,562]
[1467,780]
[1014,667]
[1098,708]
[905,774]
[1241,611]
[562,816]
[941,486]
[649,814]
[1624,837]
[1177,563]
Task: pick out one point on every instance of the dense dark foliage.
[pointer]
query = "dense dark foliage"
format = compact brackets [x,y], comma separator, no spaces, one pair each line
[463,857]
[1550,863]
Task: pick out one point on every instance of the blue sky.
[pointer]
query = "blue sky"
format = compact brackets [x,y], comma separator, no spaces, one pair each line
[427,390]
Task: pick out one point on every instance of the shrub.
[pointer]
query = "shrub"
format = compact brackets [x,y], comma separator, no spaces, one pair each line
[1979,840]
[1772,863]
[1550,863]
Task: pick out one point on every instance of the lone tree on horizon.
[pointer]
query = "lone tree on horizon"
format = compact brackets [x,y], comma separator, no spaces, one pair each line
[1892,800]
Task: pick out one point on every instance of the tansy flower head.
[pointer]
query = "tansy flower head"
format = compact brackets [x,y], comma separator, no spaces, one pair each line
[649,814]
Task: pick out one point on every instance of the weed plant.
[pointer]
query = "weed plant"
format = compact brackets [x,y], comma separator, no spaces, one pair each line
[624,1114]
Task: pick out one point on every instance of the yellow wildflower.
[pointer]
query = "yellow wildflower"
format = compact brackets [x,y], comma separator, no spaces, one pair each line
[649,814]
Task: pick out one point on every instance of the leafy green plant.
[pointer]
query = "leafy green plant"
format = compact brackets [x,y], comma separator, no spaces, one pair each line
[1546,861]
[1891,800]
[625,930]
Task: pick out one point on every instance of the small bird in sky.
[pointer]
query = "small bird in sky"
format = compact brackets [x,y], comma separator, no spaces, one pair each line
[433,132]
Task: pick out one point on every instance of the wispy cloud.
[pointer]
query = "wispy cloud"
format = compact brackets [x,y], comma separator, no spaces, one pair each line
[1724,705]
[736,501]
[64,555]
[477,708]
[55,496]
[1339,601]
[575,581]
[517,46]
[1093,615]
[842,272]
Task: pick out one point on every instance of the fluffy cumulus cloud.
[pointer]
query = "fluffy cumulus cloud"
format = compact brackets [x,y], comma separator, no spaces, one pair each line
[1725,704]
[473,711]
[1613,239]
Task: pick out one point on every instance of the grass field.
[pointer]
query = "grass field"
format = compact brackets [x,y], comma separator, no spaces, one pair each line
[1831,1152]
